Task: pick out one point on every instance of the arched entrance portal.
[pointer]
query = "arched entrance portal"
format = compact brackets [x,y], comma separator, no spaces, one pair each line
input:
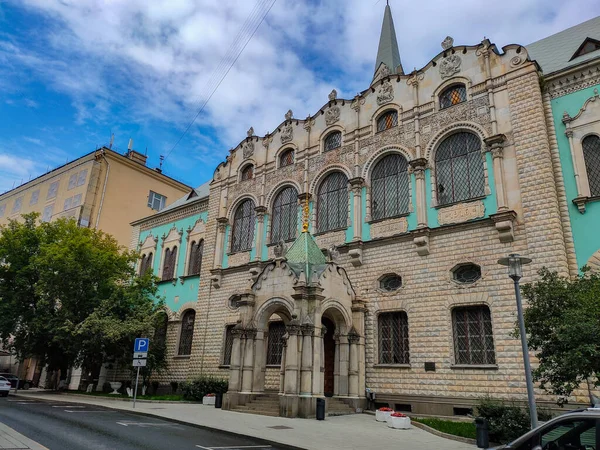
[328,357]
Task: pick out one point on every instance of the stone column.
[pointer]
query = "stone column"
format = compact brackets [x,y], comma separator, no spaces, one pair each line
[336,366]
[322,368]
[356,184]
[235,362]
[291,359]
[221,227]
[248,367]
[418,167]
[260,217]
[318,357]
[283,364]
[307,359]
[353,339]
[258,381]
[495,144]
[343,366]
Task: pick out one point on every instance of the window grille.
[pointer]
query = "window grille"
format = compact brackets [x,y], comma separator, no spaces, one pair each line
[473,336]
[390,283]
[591,156]
[275,343]
[187,333]
[333,203]
[156,201]
[169,264]
[247,173]
[459,168]
[390,187]
[286,158]
[333,140]
[146,263]
[195,262]
[242,233]
[393,338]
[453,95]
[35,195]
[387,120]
[467,273]
[160,330]
[285,215]
[228,345]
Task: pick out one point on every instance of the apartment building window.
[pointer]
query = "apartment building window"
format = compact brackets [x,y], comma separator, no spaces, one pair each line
[82,177]
[393,338]
[68,202]
[72,181]
[156,201]
[17,206]
[275,343]
[47,214]
[2,210]
[76,200]
[52,190]
[35,196]
[473,336]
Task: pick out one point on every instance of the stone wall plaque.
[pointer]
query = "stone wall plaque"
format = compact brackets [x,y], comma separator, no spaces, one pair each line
[461,212]
[238,259]
[329,239]
[389,227]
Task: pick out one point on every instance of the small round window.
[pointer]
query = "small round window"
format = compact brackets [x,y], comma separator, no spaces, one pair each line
[233,302]
[390,283]
[467,273]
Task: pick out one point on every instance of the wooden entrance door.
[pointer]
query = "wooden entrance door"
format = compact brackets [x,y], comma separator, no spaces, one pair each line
[329,356]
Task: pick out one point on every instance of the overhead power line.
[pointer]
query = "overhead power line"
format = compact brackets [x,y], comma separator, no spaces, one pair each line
[241,40]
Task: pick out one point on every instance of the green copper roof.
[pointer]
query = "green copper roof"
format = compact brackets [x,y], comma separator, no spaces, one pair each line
[388,52]
[304,254]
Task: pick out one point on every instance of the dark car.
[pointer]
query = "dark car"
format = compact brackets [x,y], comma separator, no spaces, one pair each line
[575,430]
[23,384]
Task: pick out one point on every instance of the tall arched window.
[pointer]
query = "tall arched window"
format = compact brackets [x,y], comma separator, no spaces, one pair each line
[332,141]
[285,215]
[187,332]
[457,93]
[332,202]
[387,120]
[169,264]
[242,233]
[275,343]
[286,158]
[195,261]
[459,168]
[591,156]
[146,263]
[389,187]
[248,172]
[161,325]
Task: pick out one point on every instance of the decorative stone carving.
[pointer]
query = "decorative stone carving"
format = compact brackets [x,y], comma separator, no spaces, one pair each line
[332,95]
[385,92]
[357,103]
[267,140]
[515,61]
[329,239]
[462,212]
[287,134]
[279,249]
[504,225]
[248,149]
[222,224]
[385,71]
[355,253]
[289,115]
[250,132]
[421,241]
[389,227]
[449,66]
[239,259]
[215,279]
[447,43]
[332,115]
[333,253]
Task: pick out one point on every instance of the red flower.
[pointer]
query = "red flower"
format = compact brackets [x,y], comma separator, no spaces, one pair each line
[397,414]
[385,409]
[210,395]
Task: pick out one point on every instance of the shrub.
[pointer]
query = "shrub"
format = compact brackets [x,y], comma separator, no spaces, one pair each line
[174,386]
[198,388]
[506,422]
[106,387]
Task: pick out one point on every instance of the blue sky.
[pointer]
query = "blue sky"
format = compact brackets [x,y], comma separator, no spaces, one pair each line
[74,71]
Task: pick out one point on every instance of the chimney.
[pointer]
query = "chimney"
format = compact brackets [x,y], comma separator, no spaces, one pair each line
[135,156]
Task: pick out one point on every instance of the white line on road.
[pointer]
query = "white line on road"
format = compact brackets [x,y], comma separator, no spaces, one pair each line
[147,424]
[68,406]
[234,447]
[66,410]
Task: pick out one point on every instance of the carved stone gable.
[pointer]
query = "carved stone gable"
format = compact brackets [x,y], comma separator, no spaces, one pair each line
[449,66]
[332,115]
[385,92]
[287,134]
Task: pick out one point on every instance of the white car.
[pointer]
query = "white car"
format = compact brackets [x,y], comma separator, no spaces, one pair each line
[4,387]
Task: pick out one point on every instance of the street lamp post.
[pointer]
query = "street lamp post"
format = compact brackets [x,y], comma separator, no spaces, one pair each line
[515,264]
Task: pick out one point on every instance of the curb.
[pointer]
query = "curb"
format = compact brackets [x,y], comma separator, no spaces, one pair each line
[281,445]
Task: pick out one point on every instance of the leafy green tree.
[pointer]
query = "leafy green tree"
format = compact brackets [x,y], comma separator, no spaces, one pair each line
[563,326]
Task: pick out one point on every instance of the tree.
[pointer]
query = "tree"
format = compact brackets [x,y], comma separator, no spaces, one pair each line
[563,325]
[69,295]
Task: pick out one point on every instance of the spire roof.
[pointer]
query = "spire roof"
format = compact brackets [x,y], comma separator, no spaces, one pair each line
[305,256]
[388,52]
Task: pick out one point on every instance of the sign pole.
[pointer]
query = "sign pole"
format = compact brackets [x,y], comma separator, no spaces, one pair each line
[137,377]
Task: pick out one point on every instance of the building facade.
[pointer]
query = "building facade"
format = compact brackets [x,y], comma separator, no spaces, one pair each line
[415,187]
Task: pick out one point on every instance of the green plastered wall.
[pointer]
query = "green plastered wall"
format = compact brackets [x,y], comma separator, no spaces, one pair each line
[585,226]
[180,293]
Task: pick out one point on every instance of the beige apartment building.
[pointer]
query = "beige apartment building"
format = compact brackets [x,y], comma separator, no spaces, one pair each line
[103,189]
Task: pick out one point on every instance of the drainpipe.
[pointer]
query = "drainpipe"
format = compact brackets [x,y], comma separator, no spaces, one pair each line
[103,190]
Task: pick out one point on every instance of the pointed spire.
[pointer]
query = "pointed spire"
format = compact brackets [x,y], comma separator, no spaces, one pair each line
[388,52]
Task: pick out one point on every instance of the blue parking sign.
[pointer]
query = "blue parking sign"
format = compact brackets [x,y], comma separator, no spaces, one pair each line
[141,345]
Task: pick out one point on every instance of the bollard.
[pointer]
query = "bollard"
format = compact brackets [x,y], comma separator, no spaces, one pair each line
[482,433]
[218,400]
[320,409]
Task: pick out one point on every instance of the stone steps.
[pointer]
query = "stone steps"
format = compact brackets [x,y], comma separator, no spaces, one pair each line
[268,405]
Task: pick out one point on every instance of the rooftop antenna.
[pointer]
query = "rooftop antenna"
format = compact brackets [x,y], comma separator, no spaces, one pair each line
[130,146]
[112,140]
[162,159]
[146,153]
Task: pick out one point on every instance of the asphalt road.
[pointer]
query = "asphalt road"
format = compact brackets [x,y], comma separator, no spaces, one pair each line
[61,426]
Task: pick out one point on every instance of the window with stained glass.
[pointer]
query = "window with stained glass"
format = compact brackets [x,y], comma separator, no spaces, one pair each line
[473,336]
[285,215]
[242,233]
[390,187]
[591,156]
[393,338]
[275,343]
[387,120]
[248,172]
[286,158]
[195,261]
[333,140]
[453,95]
[459,168]
[332,203]
[187,332]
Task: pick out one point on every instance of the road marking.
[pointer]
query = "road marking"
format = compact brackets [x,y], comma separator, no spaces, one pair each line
[148,424]
[68,406]
[234,447]
[98,411]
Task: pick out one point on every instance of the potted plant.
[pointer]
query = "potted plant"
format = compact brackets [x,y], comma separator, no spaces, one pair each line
[398,421]
[382,414]
[208,399]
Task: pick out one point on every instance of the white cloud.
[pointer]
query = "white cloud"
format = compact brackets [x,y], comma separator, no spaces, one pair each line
[14,170]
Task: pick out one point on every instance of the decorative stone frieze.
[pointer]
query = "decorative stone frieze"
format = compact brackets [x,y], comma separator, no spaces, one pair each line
[461,212]
[328,239]
[238,259]
[389,227]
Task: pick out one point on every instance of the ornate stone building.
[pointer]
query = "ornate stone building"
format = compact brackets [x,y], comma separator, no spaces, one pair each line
[415,187]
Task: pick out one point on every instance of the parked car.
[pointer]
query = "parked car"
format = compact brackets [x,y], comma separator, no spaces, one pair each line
[574,430]
[23,384]
[4,387]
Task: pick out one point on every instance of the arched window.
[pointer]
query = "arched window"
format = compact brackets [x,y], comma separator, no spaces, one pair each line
[195,262]
[591,156]
[457,93]
[332,202]
[169,264]
[160,330]
[286,158]
[242,233]
[146,263]
[389,187]
[187,332]
[333,140]
[285,215]
[459,168]
[473,336]
[248,172]
[387,120]
[275,343]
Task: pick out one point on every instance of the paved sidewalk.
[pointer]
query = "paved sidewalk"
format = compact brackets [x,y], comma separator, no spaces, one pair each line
[11,440]
[358,431]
